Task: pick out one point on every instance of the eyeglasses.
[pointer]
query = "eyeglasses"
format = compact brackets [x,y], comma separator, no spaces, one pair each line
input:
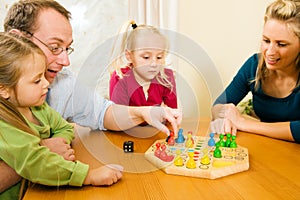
[54,50]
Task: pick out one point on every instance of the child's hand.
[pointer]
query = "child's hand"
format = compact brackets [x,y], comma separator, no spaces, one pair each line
[105,175]
[164,114]
[59,146]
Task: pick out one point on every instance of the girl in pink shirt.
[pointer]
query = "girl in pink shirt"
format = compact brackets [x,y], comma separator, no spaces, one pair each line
[139,76]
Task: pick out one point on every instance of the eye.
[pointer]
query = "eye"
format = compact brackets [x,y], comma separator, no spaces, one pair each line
[281,44]
[146,57]
[266,41]
[37,81]
[55,49]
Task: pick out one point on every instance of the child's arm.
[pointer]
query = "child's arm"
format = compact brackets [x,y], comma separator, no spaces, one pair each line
[22,152]
[61,132]
[104,175]
[60,128]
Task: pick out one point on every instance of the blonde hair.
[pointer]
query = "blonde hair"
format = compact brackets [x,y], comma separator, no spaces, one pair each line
[126,40]
[287,11]
[13,51]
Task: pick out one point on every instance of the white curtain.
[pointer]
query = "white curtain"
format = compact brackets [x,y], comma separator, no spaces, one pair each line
[163,14]
[159,13]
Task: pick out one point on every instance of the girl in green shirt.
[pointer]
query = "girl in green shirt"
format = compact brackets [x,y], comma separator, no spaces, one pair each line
[25,119]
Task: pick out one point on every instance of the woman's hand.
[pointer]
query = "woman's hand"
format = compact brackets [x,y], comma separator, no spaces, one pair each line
[222,126]
[226,119]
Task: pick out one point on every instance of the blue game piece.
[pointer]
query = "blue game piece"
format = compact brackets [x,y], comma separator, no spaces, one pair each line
[211,141]
[180,138]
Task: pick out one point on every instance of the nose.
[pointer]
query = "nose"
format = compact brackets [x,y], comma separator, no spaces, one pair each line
[154,62]
[271,49]
[46,83]
[63,59]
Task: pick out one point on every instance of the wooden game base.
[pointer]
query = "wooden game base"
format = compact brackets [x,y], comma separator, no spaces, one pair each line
[233,160]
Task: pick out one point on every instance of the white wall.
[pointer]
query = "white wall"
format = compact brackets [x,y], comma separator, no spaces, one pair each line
[229,31]
[93,22]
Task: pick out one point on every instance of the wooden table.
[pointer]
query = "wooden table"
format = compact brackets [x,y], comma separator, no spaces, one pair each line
[274,171]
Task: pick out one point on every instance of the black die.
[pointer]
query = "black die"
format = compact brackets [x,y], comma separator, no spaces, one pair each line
[128,146]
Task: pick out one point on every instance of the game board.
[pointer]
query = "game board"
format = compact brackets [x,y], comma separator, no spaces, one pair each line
[204,158]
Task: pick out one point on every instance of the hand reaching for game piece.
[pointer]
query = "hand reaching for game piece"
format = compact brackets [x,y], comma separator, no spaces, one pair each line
[160,114]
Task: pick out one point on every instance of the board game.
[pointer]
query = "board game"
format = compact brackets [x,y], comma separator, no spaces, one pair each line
[196,156]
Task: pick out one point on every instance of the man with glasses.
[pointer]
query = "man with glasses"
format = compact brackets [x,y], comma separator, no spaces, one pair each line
[46,22]
[53,49]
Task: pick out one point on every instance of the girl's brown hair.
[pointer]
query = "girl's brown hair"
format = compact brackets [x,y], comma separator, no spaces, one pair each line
[14,50]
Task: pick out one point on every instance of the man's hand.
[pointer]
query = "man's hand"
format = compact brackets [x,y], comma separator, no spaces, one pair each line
[60,146]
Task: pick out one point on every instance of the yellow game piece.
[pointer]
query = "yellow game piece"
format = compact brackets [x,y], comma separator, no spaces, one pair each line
[205,151]
[178,161]
[205,160]
[189,141]
[191,164]
[220,163]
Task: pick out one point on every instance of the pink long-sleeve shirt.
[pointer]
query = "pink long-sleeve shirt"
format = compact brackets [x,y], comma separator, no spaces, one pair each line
[127,91]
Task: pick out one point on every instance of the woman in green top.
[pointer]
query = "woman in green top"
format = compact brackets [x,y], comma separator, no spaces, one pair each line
[25,119]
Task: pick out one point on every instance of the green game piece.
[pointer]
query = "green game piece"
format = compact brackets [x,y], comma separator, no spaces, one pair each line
[217,144]
[233,143]
[228,140]
[222,142]
[217,152]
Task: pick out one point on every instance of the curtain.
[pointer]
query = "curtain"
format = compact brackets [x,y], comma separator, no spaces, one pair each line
[163,14]
[159,13]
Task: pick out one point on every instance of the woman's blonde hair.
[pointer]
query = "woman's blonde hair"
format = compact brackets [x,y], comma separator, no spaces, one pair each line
[14,50]
[287,11]
[126,40]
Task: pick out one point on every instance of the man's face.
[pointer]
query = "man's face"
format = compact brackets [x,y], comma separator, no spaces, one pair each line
[55,31]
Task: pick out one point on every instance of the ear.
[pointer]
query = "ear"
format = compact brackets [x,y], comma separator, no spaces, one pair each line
[4,92]
[128,55]
[15,31]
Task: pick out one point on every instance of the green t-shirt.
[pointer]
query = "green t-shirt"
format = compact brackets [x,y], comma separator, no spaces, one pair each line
[23,152]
